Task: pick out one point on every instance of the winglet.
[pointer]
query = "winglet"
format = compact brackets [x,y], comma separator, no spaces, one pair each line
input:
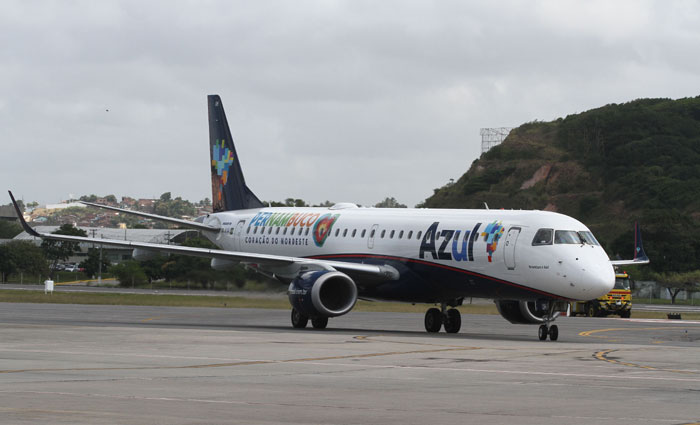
[24,224]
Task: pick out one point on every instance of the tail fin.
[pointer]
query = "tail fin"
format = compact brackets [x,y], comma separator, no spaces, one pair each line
[229,191]
[639,254]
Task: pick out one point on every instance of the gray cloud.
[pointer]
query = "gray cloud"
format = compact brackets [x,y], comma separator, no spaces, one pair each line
[347,101]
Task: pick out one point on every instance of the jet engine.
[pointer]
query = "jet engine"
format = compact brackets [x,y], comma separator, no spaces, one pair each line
[323,293]
[140,254]
[523,312]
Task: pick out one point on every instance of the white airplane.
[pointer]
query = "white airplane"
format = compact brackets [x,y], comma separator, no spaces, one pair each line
[530,262]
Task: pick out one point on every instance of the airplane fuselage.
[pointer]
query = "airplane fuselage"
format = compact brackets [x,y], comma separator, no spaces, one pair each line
[440,254]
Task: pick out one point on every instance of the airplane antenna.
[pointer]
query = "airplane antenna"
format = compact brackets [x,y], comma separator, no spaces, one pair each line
[486,205]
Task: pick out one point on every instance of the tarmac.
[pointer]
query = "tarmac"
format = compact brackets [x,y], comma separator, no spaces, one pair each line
[84,364]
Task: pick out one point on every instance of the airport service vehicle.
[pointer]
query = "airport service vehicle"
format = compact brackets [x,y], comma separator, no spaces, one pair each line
[531,263]
[617,301]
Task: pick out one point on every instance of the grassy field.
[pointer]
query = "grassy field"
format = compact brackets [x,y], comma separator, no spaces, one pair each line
[22,296]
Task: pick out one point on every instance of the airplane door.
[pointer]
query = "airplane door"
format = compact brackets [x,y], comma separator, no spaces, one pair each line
[372,234]
[509,247]
[238,235]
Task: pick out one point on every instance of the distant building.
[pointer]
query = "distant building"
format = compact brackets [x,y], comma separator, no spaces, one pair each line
[53,207]
[8,213]
[147,205]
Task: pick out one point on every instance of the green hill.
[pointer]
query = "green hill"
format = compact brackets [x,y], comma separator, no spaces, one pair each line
[608,167]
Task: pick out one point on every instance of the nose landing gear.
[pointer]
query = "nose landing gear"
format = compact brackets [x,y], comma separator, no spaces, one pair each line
[437,318]
[547,329]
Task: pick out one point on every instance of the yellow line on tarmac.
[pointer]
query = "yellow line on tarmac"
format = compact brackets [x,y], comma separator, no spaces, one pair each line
[152,318]
[603,356]
[595,331]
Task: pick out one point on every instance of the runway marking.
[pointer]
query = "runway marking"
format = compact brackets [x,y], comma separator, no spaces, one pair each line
[603,355]
[595,331]
[241,363]
[304,405]
[152,318]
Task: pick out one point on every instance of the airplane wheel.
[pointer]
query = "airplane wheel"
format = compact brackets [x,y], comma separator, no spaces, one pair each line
[542,332]
[319,322]
[433,320]
[553,332]
[299,321]
[453,321]
[626,314]
[592,310]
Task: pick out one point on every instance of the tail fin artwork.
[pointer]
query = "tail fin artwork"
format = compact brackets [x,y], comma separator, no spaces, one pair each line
[229,191]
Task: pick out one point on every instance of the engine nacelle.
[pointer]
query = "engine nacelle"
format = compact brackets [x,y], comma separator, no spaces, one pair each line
[323,293]
[523,312]
[140,254]
[223,265]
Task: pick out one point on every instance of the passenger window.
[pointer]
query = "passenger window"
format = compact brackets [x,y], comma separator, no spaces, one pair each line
[277,232]
[247,230]
[269,230]
[543,237]
[336,232]
[285,231]
[391,235]
[383,233]
[410,234]
[307,232]
[291,232]
[371,234]
[418,235]
[345,232]
[354,232]
[401,234]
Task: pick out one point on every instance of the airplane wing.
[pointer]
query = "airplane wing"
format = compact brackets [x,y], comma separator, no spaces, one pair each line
[275,262]
[185,223]
[640,257]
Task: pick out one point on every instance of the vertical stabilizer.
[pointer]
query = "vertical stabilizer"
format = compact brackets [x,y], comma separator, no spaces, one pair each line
[228,188]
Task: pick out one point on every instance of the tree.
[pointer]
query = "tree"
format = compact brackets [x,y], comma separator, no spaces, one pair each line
[21,256]
[111,198]
[9,229]
[89,198]
[389,203]
[92,263]
[677,282]
[61,250]
[291,202]
[166,196]
[129,273]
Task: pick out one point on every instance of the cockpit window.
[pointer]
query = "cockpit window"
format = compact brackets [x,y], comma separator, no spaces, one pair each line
[588,238]
[542,237]
[574,238]
[567,237]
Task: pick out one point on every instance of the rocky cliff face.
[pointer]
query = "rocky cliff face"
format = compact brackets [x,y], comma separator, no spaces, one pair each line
[608,167]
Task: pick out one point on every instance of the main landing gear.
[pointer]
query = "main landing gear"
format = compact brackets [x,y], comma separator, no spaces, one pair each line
[300,320]
[437,318]
[546,329]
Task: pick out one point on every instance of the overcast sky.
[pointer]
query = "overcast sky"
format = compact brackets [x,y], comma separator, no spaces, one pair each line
[347,101]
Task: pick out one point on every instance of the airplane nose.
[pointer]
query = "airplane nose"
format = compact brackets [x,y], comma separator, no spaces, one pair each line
[594,278]
[600,280]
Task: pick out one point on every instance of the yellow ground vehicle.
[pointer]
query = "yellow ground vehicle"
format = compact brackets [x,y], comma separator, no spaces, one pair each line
[617,301]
